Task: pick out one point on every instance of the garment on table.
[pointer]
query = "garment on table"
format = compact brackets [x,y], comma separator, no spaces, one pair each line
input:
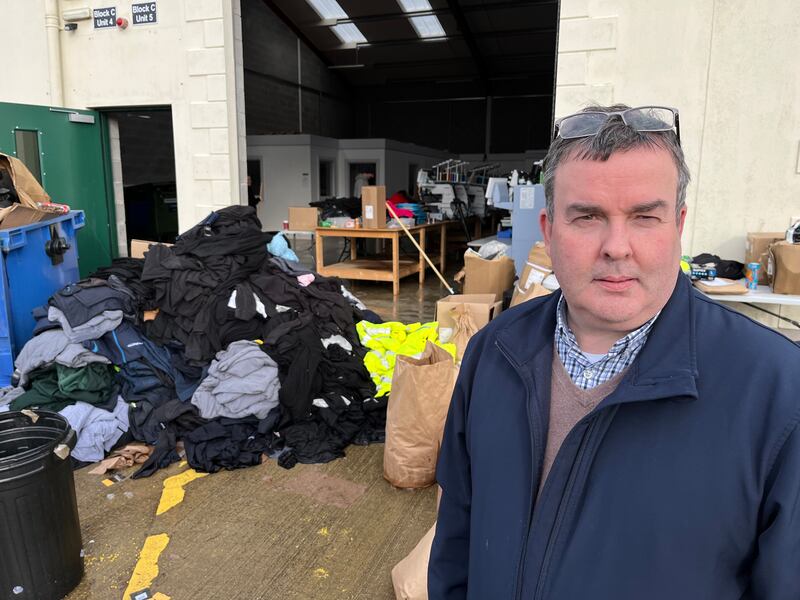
[231,443]
[697,450]
[388,340]
[97,429]
[83,301]
[121,458]
[52,346]
[56,387]
[94,328]
[165,425]
[242,381]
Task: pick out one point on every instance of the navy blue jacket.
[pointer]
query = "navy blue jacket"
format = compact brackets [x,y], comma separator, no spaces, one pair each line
[682,484]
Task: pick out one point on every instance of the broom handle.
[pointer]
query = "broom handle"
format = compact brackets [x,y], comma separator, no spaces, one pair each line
[421,251]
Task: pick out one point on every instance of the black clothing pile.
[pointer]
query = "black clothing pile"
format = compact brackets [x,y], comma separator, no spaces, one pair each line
[338,207]
[729,269]
[217,285]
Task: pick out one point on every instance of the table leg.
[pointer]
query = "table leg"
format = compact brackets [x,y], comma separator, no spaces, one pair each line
[396,264]
[442,246]
[477,234]
[422,264]
[353,252]
[319,253]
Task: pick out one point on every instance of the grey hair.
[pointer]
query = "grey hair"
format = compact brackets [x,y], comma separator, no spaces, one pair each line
[614,136]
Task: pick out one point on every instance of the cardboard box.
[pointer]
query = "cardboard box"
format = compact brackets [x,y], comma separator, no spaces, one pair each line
[785,258]
[483,307]
[537,267]
[756,249]
[373,206]
[303,218]
[139,247]
[483,276]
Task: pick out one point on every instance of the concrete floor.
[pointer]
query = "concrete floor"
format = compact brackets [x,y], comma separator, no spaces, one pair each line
[329,531]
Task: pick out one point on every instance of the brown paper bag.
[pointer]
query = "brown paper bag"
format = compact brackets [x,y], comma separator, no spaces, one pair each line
[28,189]
[537,267]
[721,286]
[785,258]
[410,575]
[464,327]
[421,391]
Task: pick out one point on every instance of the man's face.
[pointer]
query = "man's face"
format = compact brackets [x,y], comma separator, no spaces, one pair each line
[614,239]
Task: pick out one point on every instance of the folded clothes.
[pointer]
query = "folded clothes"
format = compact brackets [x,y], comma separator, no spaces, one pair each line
[241,382]
[52,346]
[97,429]
[54,388]
[94,328]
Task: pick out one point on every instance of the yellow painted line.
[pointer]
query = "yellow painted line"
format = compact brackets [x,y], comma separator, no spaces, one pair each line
[173,492]
[108,482]
[146,569]
[182,464]
[160,596]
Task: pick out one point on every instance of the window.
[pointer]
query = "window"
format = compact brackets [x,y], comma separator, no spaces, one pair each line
[28,151]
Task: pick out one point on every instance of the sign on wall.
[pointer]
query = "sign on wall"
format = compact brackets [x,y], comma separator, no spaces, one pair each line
[105,17]
[144,13]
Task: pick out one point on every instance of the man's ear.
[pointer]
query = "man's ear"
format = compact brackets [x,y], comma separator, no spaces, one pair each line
[682,220]
[547,228]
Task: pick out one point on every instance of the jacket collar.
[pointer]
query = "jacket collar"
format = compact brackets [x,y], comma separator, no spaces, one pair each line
[665,368]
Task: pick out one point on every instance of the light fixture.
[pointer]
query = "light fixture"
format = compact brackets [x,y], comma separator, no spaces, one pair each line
[77,14]
[427,27]
[348,33]
[328,9]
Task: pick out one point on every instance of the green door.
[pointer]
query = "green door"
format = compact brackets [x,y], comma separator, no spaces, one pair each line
[67,150]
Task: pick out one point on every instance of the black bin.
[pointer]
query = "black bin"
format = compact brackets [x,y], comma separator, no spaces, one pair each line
[40,535]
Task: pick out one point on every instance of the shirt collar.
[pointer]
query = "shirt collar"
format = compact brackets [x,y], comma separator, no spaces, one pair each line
[632,342]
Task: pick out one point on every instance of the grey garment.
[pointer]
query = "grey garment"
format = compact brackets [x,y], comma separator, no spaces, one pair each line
[8,395]
[290,268]
[98,430]
[52,346]
[242,381]
[93,329]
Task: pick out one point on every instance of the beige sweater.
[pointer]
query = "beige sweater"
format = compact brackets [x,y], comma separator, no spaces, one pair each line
[568,405]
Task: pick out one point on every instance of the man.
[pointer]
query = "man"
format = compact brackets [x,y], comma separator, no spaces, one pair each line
[626,438]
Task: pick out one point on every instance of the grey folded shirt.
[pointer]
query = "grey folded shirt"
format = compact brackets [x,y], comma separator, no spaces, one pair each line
[242,381]
[93,329]
[53,346]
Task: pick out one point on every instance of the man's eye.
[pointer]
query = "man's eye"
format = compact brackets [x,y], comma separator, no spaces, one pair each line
[586,218]
[646,218]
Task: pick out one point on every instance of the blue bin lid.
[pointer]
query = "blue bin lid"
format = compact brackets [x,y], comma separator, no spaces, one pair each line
[11,239]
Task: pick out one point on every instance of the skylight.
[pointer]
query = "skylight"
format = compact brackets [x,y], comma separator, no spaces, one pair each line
[427,26]
[328,9]
[349,33]
[414,5]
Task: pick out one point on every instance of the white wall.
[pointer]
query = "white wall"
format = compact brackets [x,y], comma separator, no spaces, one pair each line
[731,68]
[190,59]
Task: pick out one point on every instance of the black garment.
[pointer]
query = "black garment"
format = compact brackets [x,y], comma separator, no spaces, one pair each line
[729,269]
[82,301]
[231,443]
[42,322]
[172,421]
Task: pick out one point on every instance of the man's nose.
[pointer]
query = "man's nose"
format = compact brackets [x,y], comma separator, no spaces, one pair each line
[617,243]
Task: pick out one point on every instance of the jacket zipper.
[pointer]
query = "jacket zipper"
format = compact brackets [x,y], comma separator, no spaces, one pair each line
[560,514]
[524,552]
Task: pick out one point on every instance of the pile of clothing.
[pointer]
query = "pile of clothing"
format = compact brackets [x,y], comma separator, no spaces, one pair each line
[212,342]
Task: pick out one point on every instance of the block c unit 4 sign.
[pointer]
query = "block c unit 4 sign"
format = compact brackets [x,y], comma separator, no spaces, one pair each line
[104,17]
[144,13]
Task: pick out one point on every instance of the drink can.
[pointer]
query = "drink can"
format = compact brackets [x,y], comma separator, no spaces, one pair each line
[286,225]
[751,274]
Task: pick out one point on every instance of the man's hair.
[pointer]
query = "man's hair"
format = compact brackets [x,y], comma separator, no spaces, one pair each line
[614,136]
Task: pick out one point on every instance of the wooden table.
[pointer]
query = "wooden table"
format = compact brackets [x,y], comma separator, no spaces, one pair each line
[380,270]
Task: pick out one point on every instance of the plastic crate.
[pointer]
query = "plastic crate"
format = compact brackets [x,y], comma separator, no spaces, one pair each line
[32,268]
